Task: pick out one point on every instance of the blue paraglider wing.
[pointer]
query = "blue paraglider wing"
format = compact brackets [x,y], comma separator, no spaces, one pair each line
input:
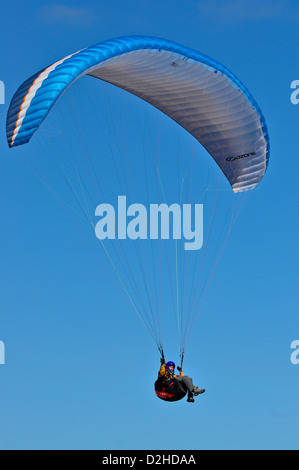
[197,92]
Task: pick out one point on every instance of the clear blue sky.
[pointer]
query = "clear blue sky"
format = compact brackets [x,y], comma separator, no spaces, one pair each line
[79,367]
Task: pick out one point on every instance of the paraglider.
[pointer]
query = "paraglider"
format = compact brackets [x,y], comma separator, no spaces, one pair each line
[203,98]
[171,387]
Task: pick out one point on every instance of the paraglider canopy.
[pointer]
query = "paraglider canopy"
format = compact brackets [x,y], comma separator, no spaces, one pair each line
[194,90]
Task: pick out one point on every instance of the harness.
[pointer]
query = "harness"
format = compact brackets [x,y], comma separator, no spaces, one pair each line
[170,389]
